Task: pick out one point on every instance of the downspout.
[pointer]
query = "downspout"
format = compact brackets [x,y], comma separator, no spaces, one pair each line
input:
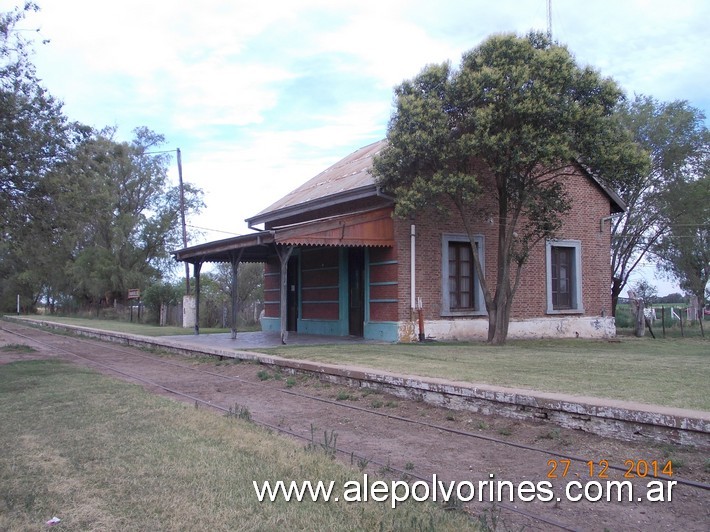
[417,306]
[412,264]
[605,219]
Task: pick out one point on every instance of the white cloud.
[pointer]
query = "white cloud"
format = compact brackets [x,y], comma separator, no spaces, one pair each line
[261,96]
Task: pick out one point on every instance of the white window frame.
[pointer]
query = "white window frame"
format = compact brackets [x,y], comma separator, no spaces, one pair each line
[577,305]
[480,308]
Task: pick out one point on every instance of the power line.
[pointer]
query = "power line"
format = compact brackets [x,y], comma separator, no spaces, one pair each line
[213,230]
[157,152]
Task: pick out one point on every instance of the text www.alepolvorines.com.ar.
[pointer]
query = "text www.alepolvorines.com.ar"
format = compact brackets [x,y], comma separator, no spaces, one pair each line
[491,490]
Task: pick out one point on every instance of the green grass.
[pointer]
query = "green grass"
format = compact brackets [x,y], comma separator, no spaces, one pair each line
[127,327]
[672,372]
[101,454]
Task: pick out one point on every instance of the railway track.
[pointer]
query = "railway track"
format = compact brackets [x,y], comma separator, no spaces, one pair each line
[275,407]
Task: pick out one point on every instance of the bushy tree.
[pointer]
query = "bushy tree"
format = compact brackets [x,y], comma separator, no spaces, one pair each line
[675,136]
[83,214]
[36,137]
[646,291]
[684,248]
[519,110]
[162,293]
[130,218]
[250,285]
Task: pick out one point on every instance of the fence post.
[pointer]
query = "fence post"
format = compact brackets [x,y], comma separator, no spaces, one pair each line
[663,320]
[681,324]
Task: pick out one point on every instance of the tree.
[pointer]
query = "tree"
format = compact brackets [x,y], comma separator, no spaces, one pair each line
[162,293]
[128,221]
[675,297]
[509,122]
[675,136]
[32,126]
[82,213]
[646,291]
[684,249]
[36,136]
[250,286]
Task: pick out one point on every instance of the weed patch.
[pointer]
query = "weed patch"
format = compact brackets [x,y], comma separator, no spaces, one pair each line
[17,348]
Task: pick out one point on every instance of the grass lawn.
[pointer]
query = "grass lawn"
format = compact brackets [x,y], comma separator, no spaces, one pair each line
[127,326]
[101,454]
[671,372]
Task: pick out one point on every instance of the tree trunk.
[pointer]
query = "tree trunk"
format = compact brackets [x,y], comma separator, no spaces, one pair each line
[615,291]
[497,316]
[491,323]
[637,311]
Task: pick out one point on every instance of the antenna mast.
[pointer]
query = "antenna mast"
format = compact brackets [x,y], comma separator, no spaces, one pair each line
[549,19]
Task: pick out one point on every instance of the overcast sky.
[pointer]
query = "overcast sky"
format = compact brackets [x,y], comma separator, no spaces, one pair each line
[261,96]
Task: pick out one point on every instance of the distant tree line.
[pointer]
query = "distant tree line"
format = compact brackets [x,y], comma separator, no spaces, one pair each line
[215,295]
[85,217]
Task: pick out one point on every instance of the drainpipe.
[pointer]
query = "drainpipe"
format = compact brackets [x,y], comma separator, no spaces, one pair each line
[605,219]
[412,263]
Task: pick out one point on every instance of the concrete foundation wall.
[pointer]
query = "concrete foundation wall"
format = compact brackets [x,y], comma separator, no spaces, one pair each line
[606,417]
[477,329]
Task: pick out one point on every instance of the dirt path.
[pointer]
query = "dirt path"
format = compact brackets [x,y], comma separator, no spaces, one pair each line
[395,448]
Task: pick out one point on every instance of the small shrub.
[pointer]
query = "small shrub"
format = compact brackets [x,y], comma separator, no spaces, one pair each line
[554,434]
[343,396]
[19,348]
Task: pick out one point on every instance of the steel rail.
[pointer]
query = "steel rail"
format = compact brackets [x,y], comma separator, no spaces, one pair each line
[105,345]
[352,454]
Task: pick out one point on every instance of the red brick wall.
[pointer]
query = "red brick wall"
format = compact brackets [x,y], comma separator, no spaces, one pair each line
[589,206]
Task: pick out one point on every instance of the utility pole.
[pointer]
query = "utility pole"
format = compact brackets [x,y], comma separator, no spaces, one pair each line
[182,219]
[549,19]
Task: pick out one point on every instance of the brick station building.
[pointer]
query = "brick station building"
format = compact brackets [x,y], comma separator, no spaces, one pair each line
[338,262]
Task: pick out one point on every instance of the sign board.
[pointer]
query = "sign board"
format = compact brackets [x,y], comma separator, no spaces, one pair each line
[134,293]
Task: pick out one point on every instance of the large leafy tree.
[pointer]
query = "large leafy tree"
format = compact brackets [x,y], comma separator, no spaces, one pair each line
[509,122]
[33,129]
[684,248]
[35,136]
[675,136]
[128,220]
[83,214]
[250,285]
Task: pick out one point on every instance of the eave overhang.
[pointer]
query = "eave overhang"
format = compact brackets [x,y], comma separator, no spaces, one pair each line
[255,247]
[367,228]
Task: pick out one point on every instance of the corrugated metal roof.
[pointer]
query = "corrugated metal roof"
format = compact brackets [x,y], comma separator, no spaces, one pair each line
[348,174]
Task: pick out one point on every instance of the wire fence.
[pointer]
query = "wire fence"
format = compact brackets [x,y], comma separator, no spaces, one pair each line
[667,320]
